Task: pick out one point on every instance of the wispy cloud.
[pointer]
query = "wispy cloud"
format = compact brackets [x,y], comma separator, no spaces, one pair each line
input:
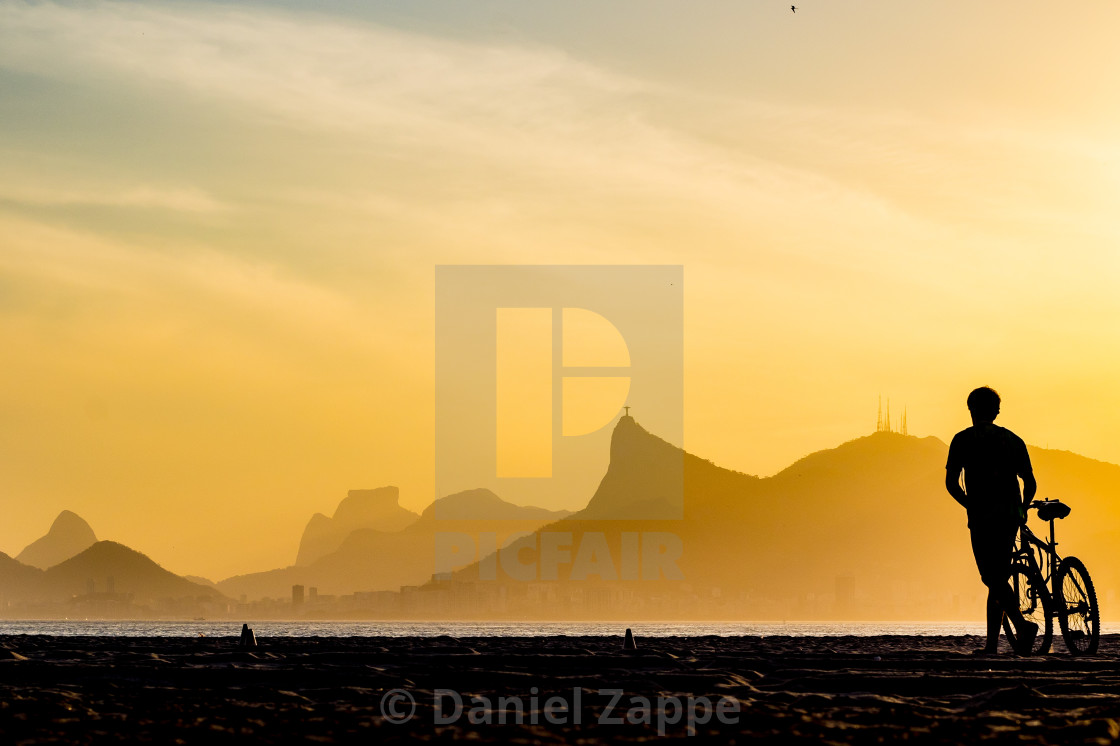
[187,199]
[532,109]
[136,285]
[309,70]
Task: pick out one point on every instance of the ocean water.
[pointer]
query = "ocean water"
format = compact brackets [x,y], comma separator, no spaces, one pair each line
[485,629]
[133,628]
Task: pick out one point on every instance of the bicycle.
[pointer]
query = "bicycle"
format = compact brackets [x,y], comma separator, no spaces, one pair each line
[1038,573]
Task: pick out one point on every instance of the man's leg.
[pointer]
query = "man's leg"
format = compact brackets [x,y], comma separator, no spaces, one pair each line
[992,547]
[1025,630]
[981,550]
[995,620]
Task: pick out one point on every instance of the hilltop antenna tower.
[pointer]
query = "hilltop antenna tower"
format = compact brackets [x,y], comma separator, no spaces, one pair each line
[883,422]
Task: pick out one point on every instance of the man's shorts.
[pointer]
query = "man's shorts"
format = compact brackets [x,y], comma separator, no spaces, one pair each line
[992,546]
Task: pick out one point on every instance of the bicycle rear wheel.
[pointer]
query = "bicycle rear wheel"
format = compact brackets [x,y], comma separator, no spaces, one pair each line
[1078,615]
[1034,605]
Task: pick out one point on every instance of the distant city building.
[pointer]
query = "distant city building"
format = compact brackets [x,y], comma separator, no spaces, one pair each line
[297,595]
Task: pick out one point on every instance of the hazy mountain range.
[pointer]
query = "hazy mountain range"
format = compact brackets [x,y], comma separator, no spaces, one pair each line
[105,571]
[373,557]
[865,527]
[870,516]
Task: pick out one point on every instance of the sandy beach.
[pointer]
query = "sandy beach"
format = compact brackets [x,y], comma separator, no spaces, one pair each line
[557,690]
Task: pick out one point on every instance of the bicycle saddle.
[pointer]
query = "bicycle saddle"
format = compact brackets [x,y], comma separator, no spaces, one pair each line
[1048,510]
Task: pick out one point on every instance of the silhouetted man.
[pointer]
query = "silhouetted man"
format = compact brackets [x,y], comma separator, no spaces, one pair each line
[993,460]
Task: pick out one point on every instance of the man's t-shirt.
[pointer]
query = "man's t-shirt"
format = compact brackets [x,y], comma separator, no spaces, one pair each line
[993,458]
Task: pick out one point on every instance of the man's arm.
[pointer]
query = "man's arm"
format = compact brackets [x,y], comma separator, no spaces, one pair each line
[1026,473]
[953,485]
[1030,487]
[953,468]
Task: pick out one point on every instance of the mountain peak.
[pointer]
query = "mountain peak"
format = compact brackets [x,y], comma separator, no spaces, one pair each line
[377,509]
[880,453]
[482,504]
[67,521]
[644,479]
[628,438]
[364,506]
[68,535]
[129,571]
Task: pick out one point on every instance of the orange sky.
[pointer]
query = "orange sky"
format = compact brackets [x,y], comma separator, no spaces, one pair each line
[219,226]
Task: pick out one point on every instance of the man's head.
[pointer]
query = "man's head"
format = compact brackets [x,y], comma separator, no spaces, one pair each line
[983,404]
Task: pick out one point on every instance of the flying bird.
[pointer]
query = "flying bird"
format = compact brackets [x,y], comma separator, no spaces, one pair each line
[793,8]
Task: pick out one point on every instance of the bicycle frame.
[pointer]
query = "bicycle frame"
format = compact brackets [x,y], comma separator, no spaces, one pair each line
[1047,563]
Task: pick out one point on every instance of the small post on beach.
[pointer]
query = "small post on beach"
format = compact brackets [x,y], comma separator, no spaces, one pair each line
[629,643]
[248,638]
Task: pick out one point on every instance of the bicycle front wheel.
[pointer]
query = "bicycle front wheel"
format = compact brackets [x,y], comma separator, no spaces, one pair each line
[1034,605]
[1078,616]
